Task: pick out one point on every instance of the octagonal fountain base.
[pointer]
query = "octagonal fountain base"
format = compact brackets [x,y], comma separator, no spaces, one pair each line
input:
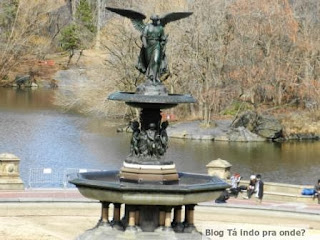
[147,207]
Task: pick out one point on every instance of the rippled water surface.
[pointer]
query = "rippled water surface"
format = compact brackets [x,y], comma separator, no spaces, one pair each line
[44,137]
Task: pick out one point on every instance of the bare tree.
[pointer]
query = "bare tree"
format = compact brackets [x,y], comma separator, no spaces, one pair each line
[265,59]
[121,54]
[262,52]
[26,34]
[202,50]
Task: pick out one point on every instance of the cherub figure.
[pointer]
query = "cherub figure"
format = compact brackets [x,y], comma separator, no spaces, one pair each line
[151,139]
[134,147]
[162,139]
[163,135]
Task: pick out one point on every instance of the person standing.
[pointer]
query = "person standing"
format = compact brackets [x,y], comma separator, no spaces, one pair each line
[317,191]
[260,188]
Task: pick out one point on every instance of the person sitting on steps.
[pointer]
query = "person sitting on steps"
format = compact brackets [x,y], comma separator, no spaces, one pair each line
[235,180]
[251,188]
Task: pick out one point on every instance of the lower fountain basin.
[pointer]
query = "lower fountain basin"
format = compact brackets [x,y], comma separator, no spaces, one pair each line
[106,186]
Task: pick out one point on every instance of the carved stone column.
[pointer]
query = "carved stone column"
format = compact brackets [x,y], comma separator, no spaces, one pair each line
[162,215]
[189,219]
[177,223]
[131,212]
[132,218]
[137,216]
[167,220]
[116,223]
[104,219]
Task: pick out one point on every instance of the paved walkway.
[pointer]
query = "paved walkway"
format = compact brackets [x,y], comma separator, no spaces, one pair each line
[42,195]
[296,207]
[63,214]
[73,195]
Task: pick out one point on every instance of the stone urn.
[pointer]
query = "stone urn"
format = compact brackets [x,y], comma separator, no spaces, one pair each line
[9,172]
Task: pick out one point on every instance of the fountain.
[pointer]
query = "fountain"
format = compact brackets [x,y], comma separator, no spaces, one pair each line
[148,187]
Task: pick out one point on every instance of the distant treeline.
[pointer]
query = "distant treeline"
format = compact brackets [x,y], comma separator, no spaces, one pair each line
[230,54]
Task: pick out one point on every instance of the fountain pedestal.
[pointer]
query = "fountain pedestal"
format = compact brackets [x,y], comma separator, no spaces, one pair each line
[146,162]
[163,174]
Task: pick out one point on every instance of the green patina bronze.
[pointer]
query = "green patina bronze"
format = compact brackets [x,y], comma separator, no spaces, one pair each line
[152,59]
[148,183]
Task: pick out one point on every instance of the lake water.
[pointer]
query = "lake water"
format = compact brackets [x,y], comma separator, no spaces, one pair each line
[42,136]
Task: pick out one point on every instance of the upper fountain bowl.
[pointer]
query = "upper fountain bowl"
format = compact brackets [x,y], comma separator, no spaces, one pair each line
[151,101]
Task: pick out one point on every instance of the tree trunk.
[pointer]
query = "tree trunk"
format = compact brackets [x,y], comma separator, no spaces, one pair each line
[99,5]
[279,94]
[206,114]
[193,110]
[73,9]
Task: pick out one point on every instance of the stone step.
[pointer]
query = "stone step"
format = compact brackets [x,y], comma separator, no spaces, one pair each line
[280,187]
[283,197]
[276,196]
[281,192]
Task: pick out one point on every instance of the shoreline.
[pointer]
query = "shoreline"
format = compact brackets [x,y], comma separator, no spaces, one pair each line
[193,130]
[303,127]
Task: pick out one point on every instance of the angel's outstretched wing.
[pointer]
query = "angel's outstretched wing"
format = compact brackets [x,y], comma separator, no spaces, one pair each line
[173,16]
[135,17]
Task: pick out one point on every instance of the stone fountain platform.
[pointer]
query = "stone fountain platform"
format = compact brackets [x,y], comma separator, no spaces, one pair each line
[103,233]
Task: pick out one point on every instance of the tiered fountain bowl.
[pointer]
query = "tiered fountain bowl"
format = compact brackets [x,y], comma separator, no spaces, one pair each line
[148,186]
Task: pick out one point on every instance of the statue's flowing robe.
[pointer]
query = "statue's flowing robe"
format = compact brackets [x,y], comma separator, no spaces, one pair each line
[152,60]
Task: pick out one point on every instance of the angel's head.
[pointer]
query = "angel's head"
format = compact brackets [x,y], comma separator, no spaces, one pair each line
[155,19]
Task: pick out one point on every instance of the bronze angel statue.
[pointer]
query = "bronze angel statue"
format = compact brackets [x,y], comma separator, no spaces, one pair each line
[152,58]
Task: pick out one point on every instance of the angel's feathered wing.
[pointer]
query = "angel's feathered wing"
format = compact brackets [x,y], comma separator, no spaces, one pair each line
[135,17]
[173,16]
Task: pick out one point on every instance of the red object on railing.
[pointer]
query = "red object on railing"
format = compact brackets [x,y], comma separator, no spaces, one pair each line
[168,117]
[46,62]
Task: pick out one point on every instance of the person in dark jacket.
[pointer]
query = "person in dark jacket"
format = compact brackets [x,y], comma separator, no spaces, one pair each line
[260,188]
[224,196]
[317,191]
